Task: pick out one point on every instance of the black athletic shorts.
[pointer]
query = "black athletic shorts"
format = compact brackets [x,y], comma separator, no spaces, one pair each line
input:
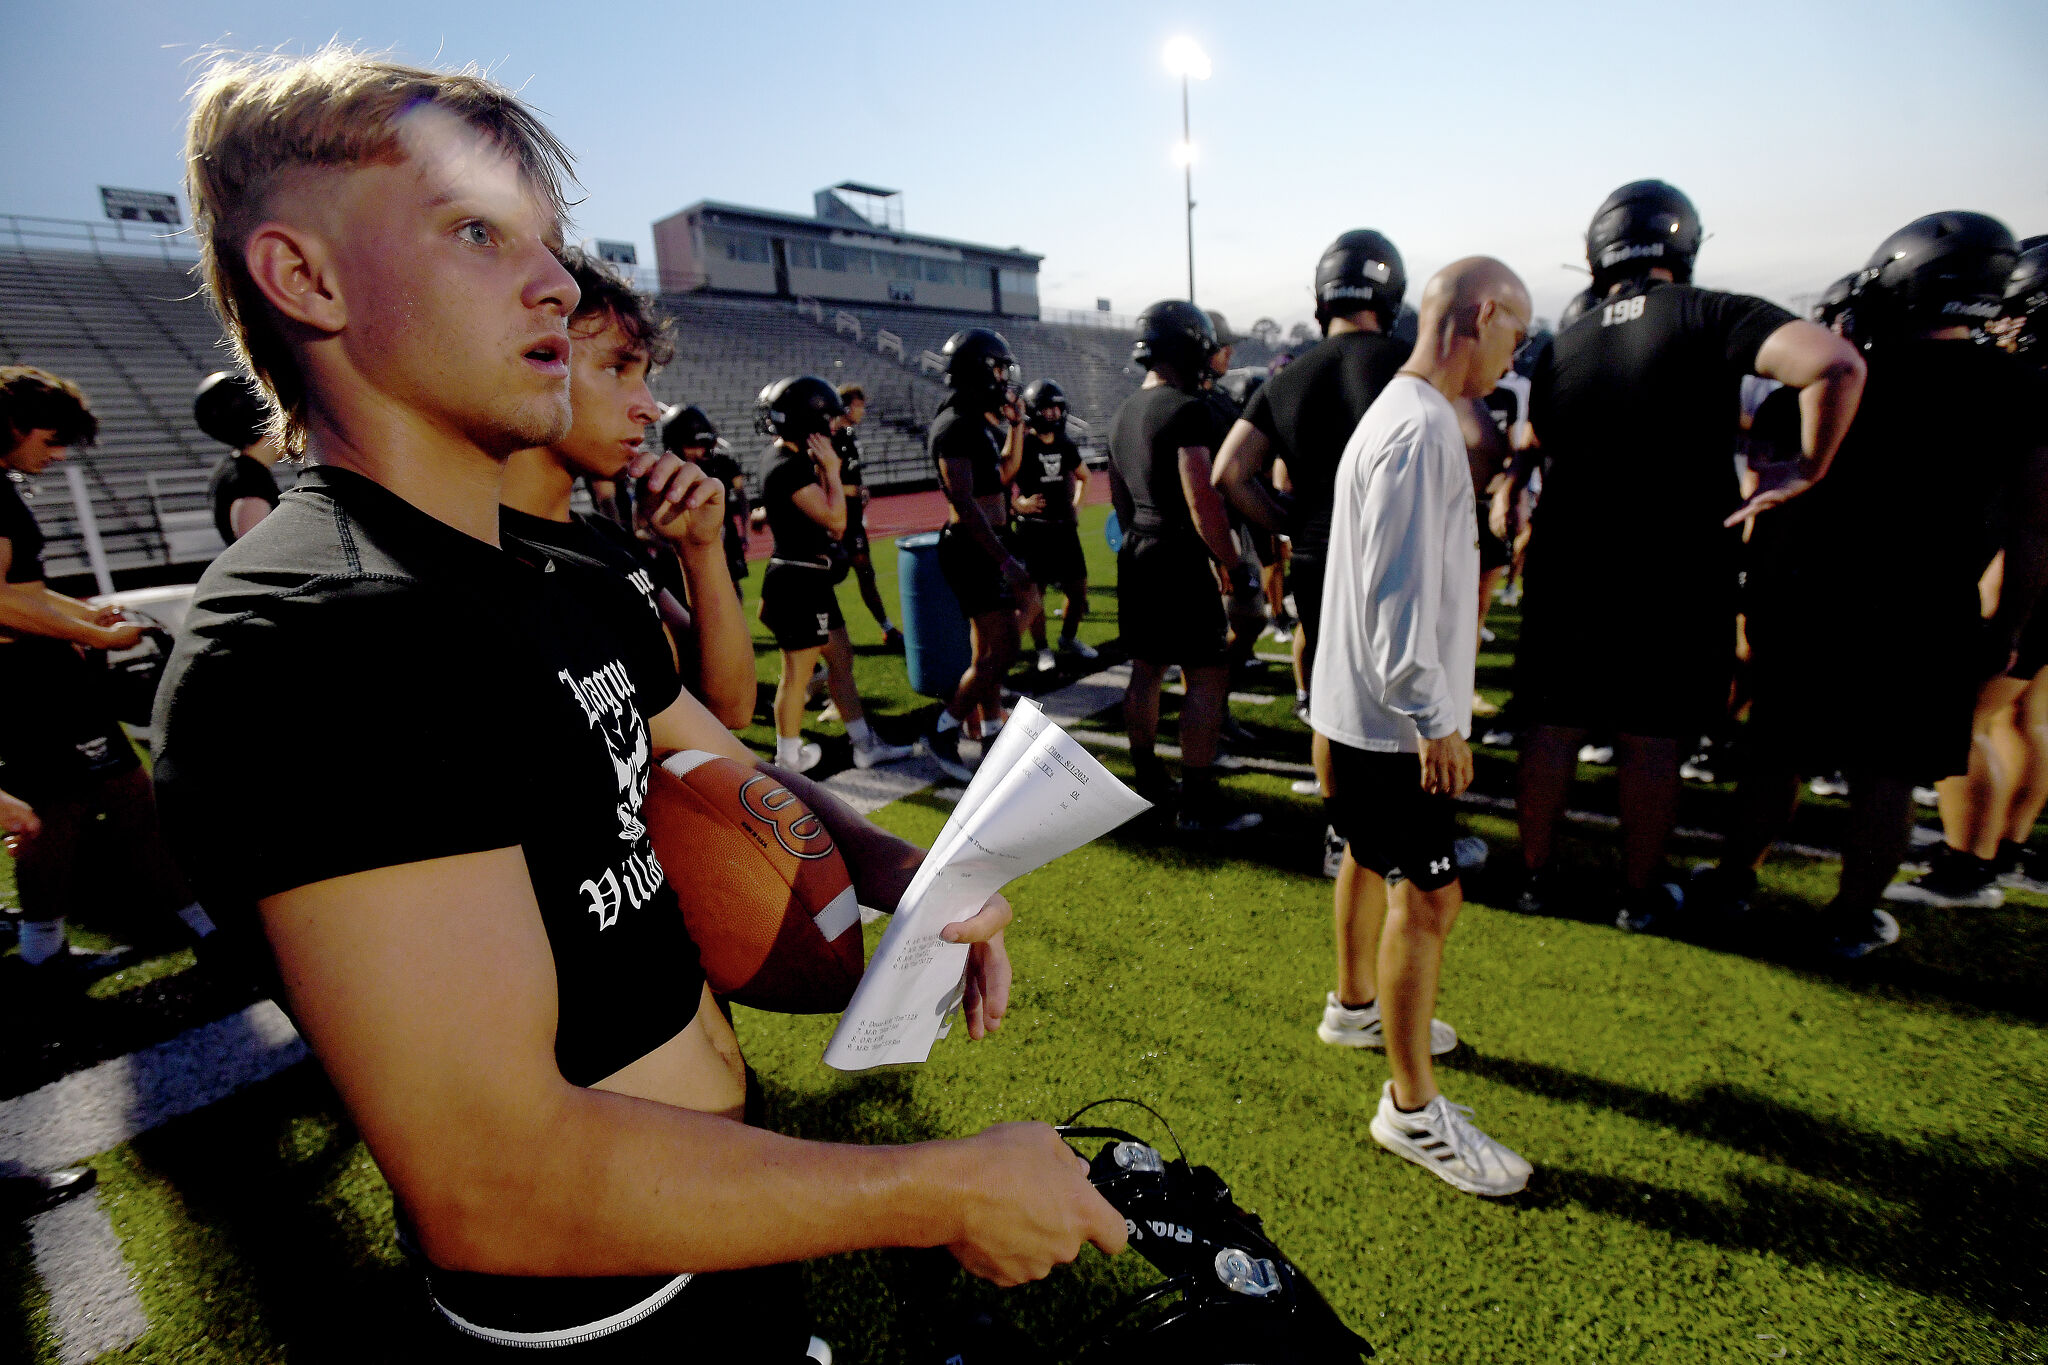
[798,604]
[1624,649]
[976,582]
[1051,550]
[1305,581]
[1169,608]
[1390,822]
[59,736]
[1838,687]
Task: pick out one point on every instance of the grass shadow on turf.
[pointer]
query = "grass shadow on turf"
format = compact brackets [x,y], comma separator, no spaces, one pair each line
[1935,1222]
[919,1305]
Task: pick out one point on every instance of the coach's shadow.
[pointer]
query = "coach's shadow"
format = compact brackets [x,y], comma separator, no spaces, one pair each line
[921,1306]
[1963,1230]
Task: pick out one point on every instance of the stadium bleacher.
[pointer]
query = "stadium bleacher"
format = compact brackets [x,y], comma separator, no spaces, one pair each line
[124,319]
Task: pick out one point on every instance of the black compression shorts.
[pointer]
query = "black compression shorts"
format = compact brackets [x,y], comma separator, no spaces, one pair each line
[59,737]
[798,605]
[1169,609]
[1390,822]
[1305,581]
[976,582]
[2033,651]
[1494,553]
[1051,550]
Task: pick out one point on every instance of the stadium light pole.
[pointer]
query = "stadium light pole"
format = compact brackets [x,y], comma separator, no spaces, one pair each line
[1185,59]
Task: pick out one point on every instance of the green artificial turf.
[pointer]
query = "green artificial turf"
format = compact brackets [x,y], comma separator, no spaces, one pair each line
[1741,1155]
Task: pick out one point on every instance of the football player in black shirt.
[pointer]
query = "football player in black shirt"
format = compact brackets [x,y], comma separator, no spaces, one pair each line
[1628,624]
[615,343]
[1946,457]
[688,431]
[807,508]
[229,408]
[976,459]
[853,475]
[1176,537]
[62,749]
[1303,416]
[463,910]
[1048,486]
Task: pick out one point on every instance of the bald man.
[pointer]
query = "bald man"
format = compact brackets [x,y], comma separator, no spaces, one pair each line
[1393,695]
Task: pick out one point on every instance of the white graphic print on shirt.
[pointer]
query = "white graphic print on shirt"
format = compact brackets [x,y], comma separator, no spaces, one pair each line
[606,699]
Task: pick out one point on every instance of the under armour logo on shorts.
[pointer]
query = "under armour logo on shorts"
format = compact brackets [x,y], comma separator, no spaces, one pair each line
[1437,865]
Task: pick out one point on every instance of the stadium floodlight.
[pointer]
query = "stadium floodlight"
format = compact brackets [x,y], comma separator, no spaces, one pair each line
[1185,59]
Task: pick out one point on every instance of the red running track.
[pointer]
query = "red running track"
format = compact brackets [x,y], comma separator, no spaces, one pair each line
[901,514]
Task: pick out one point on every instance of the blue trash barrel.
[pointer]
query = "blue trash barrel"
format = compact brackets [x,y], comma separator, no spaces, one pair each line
[936,645]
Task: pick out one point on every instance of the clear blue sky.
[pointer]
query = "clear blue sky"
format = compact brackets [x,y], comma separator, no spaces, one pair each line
[1804,131]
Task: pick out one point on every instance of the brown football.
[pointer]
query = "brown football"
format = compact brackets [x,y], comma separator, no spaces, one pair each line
[765,894]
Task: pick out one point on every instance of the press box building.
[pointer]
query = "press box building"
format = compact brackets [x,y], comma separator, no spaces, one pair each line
[853,250]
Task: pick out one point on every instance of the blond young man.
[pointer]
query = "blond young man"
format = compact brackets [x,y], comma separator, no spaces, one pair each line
[463,919]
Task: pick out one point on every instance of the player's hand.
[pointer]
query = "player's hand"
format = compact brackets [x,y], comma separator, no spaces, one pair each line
[988,965]
[1012,410]
[1446,765]
[118,634]
[1030,506]
[1776,483]
[1030,601]
[1026,1206]
[19,821]
[107,615]
[683,503]
[823,451]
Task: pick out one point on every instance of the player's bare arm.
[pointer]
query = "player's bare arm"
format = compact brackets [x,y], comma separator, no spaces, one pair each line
[1829,375]
[1205,505]
[428,992]
[1245,453]
[825,501]
[33,609]
[1013,441]
[689,510]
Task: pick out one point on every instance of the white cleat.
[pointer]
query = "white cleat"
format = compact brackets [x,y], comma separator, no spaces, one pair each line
[1343,1027]
[871,755]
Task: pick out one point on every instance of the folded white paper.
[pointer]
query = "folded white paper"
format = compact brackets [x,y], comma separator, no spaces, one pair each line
[1037,795]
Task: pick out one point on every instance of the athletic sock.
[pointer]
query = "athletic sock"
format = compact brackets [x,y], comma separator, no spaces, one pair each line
[860,732]
[1416,1110]
[947,721]
[41,940]
[788,751]
[888,626]
[1355,1008]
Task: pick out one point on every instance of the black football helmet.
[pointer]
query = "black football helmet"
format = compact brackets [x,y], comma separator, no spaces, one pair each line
[2026,302]
[1360,272]
[795,409]
[979,366]
[1835,308]
[1944,270]
[684,428]
[1644,225]
[1040,394]
[230,408]
[1175,332]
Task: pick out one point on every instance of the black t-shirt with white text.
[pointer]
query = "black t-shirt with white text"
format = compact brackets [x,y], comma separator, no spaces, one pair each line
[785,473]
[18,528]
[1145,440]
[1637,406]
[451,699]
[234,478]
[1048,468]
[957,435]
[1307,413]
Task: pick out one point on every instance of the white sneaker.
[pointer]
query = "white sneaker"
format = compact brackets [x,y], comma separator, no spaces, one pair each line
[1833,784]
[1598,754]
[1305,786]
[1470,852]
[1079,649]
[807,758]
[868,755]
[1926,796]
[1343,1027]
[1443,1139]
[830,713]
[1046,662]
[820,1351]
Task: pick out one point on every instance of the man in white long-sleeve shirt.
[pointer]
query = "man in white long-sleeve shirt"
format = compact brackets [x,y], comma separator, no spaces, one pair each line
[1393,694]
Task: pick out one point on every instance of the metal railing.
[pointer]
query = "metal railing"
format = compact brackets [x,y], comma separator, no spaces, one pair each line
[173,246]
[888,343]
[846,324]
